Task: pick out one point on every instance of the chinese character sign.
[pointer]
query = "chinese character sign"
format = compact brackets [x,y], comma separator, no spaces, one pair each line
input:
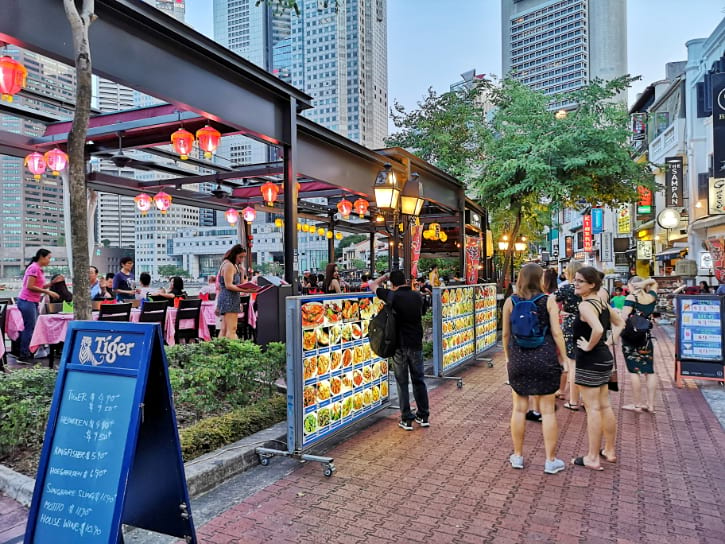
[473,258]
[416,235]
[587,231]
[624,223]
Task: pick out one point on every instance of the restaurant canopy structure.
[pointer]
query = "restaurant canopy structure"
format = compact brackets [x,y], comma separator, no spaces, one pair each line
[136,45]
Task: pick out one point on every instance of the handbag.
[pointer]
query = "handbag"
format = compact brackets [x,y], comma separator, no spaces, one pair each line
[613,384]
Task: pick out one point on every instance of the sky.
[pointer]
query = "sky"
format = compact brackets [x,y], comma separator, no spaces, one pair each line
[432,42]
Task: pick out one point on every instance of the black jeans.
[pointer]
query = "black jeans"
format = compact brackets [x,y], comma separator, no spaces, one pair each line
[404,360]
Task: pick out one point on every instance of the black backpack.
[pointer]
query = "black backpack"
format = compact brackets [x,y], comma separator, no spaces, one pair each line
[383,330]
[636,331]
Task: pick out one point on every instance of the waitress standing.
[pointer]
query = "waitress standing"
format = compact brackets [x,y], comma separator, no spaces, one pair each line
[34,287]
[228,300]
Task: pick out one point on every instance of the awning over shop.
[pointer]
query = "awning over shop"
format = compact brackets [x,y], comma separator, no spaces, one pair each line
[671,253]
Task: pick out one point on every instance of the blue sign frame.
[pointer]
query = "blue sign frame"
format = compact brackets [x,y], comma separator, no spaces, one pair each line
[111,430]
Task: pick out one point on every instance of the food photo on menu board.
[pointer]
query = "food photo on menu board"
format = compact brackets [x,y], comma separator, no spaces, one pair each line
[485,317]
[342,378]
[457,324]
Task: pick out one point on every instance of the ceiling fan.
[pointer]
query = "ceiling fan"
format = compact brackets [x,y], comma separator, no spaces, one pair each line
[218,192]
[121,160]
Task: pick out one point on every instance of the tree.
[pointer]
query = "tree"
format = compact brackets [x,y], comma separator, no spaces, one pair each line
[521,159]
[170,270]
[80,16]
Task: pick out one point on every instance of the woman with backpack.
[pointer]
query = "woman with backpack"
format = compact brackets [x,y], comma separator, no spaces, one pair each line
[594,364]
[569,302]
[531,337]
[638,352]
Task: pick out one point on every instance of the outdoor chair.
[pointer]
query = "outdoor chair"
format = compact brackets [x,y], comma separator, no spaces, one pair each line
[114,312]
[7,300]
[154,312]
[189,311]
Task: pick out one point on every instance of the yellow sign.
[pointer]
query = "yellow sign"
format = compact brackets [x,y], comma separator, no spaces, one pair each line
[624,219]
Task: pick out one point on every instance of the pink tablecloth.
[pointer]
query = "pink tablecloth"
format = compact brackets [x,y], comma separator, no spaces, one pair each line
[53,328]
[13,322]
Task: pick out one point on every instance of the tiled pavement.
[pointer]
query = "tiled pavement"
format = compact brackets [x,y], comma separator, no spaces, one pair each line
[452,482]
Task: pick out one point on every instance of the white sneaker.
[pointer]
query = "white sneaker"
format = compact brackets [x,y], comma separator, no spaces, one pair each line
[552,467]
[517,461]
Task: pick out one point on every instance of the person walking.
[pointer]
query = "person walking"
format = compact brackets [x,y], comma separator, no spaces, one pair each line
[533,371]
[569,302]
[640,359]
[228,301]
[408,357]
[594,364]
[34,287]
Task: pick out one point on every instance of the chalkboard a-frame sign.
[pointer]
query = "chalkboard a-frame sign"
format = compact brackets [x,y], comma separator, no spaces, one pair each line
[111,453]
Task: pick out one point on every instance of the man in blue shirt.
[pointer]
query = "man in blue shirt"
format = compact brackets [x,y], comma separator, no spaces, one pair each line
[123,281]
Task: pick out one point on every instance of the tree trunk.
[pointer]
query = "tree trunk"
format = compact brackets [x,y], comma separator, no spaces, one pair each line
[80,22]
[508,263]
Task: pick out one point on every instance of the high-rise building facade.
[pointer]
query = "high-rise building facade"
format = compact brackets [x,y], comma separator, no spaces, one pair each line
[556,46]
[32,210]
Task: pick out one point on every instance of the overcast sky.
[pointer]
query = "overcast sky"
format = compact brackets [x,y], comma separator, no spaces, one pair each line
[431,42]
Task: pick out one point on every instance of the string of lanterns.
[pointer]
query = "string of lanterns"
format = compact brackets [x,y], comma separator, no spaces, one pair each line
[13,77]
[207,139]
[55,160]
[161,200]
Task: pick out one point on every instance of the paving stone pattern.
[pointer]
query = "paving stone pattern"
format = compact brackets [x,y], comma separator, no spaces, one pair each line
[452,482]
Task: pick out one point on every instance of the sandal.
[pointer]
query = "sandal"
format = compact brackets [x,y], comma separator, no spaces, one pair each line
[631,408]
[648,409]
[607,459]
[572,407]
[579,461]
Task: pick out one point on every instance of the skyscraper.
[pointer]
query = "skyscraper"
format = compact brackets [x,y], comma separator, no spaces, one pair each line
[560,45]
[32,210]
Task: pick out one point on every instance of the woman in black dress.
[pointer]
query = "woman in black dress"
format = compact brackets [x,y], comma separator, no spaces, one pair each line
[594,363]
[534,371]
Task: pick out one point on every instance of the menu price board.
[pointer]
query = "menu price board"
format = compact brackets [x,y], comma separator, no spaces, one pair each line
[337,378]
[700,328]
[485,316]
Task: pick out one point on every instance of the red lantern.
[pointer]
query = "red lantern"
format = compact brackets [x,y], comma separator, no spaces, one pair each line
[249,214]
[56,160]
[12,77]
[208,138]
[162,201]
[36,164]
[269,192]
[182,140]
[143,203]
[361,207]
[232,216]
[344,207]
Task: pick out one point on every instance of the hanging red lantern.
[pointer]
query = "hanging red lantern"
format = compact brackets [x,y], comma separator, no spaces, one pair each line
[143,203]
[162,201]
[12,77]
[269,192]
[56,160]
[35,162]
[361,207]
[208,138]
[232,216]
[344,207]
[182,140]
[249,214]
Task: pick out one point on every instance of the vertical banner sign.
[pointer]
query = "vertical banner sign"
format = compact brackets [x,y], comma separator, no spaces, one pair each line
[716,198]
[569,246]
[673,182]
[597,220]
[587,232]
[716,246]
[607,247]
[416,236]
[473,258]
[644,204]
[718,124]
[639,126]
[624,222]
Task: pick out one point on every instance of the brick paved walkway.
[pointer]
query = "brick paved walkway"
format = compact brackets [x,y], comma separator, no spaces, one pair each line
[452,482]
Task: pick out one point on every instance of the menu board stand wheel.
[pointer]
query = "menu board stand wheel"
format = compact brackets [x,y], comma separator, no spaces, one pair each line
[459,379]
[265,454]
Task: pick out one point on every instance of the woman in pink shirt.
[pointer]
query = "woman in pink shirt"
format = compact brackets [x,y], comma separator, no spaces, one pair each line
[34,287]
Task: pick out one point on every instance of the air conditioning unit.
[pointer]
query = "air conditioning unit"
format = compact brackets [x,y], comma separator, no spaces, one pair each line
[686,268]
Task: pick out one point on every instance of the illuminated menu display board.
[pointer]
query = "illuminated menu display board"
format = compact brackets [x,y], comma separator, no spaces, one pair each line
[700,328]
[485,316]
[337,377]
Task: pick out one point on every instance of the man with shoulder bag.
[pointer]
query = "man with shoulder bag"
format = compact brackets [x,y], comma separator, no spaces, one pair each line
[408,356]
